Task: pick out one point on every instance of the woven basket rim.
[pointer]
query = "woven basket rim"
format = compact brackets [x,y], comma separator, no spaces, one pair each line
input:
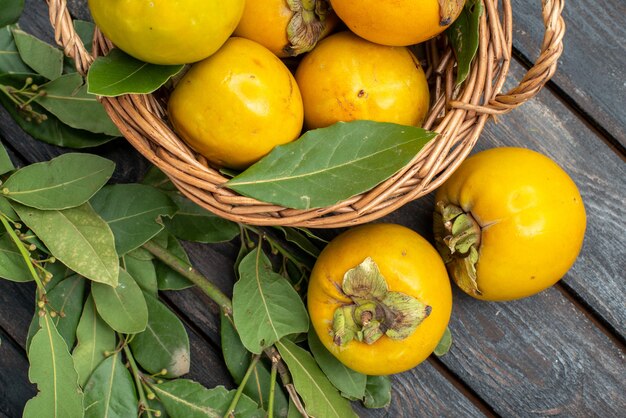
[458,116]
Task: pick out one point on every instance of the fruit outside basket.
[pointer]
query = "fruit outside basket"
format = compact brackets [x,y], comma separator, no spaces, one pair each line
[457,115]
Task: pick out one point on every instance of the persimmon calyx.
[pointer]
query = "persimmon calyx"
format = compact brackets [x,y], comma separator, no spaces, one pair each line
[457,238]
[306,25]
[375,310]
[448,10]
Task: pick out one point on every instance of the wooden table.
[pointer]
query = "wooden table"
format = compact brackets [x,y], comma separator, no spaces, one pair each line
[559,353]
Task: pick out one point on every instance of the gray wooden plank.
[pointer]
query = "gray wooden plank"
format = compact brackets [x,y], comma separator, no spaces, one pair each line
[537,356]
[592,68]
[17,306]
[15,390]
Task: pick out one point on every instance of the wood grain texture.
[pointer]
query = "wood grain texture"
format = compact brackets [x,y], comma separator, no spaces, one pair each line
[537,356]
[592,69]
[17,306]
[16,389]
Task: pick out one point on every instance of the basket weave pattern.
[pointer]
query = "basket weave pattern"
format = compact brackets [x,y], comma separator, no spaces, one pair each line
[457,115]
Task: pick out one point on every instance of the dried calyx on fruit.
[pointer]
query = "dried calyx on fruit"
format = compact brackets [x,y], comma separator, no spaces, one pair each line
[307,25]
[457,238]
[375,310]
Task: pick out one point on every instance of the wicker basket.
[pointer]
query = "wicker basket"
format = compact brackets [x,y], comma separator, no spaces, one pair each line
[458,116]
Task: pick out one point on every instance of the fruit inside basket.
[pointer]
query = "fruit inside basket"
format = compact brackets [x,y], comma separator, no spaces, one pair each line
[464,94]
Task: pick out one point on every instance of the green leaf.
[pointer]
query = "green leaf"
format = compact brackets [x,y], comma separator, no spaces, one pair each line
[320,397]
[328,165]
[12,264]
[346,380]
[296,237]
[142,271]
[164,344]
[119,73]
[133,211]
[94,338]
[444,344]
[238,359]
[265,306]
[11,11]
[6,209]
[193,223]
[122,307]
[67,99]
[10,61]
[293,411]
[64,182]
[85,31]
[6,164]
[66,299]
[463,35]
[52,131]
[39,55]
[156,178]
[59,272]
[377,392]
[110,391]
[78,237]
[167,278]
[188,399]
[52,370]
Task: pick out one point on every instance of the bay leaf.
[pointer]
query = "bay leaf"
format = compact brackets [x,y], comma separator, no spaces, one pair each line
[156,178]
[194,223]
[346,380]
[167,278]
[77,237]
[320,397]
[67,98]
[59,272]
[94,338]
[238,359]
[85,31]
[12,264]
[464,35]
[11,11]
[377,392]
[118,73]
[52,130]
[444,344]
[66,181]
[189,399]
[164,344]
[110,391]
[296,237]
[122,307]
[6,164]
[52,370]
[6,209]
[142,271]
[10,61]
[265,305]
[67,298]
[133,211]
[39,55]
[328,165]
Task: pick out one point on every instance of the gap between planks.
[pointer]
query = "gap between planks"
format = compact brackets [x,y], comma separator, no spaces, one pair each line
[572,105]
[482,405]
[604,326]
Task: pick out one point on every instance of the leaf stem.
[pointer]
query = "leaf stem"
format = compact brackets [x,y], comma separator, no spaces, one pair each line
[23,252]
[185,269]
[230,412]
[270,407]
[143,402]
